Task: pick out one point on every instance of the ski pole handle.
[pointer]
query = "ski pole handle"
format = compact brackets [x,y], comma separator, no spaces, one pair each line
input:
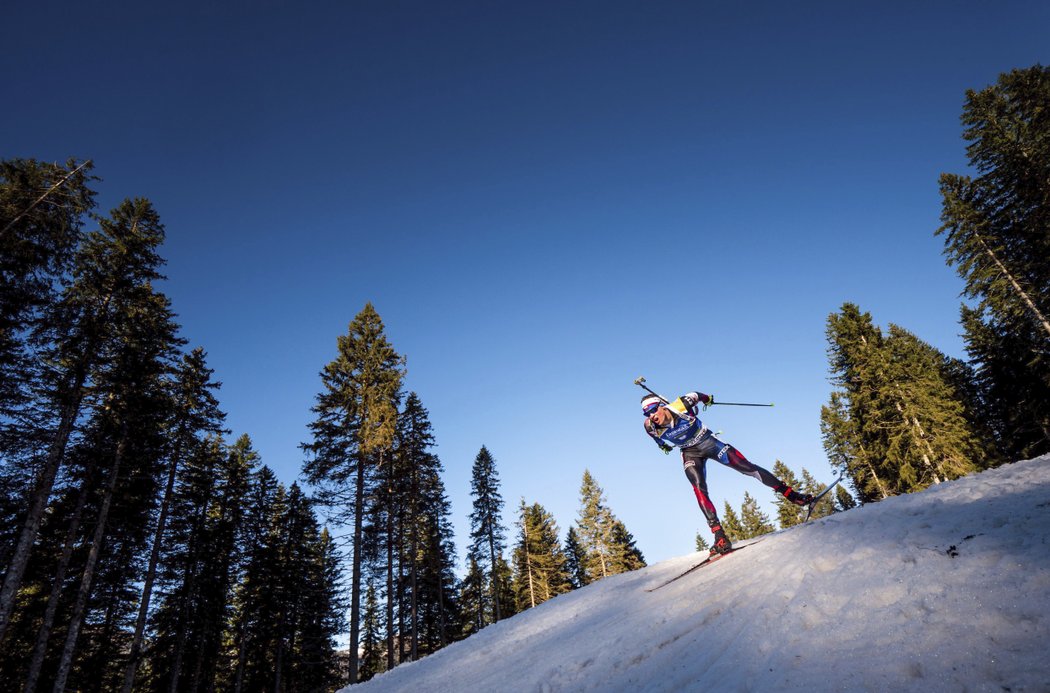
[640,382]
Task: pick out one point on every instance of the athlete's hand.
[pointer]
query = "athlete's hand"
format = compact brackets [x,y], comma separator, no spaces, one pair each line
[709,401]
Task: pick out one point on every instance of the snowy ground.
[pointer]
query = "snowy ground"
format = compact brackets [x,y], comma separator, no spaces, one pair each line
[945,590]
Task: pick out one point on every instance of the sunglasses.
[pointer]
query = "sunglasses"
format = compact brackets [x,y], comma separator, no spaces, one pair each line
[651,409]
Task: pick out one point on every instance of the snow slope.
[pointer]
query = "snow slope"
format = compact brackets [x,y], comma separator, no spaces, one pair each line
[945,590]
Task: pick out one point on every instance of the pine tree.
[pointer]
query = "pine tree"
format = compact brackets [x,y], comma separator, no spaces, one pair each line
[112,279]
[196,414]
[540,566]
[734,529]
[843,500]
[576,559]
[594,528]
[626,555]
[249,626]
[42,210]
[606,545]
[487,534]
[475,597]
[898,424]
[353,436]
[996,235]
[753,521]
[373,659]
[788,514]
[701,544]
[824,506]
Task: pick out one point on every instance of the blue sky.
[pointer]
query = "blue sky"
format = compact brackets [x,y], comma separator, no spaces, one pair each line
[543,201]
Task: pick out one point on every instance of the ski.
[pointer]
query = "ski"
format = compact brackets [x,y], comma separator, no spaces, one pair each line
[813,503]
[707,561]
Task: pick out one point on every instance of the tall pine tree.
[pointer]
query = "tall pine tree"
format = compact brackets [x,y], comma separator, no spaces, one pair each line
[487,533]
[353,436]
[997,235]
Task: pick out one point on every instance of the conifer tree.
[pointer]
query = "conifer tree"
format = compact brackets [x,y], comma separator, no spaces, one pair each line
[825,506]
[898,423]
[734,529]
[196,415]
[701,544]
[112,279]
[353,434]
[607,547]
[576,559]
[540,566]
[626,555]
[42,210]
[788,514]
[996,235]
[373,659]
[487,534]
[753,521]
[843,500]
[475,598]
[249,625]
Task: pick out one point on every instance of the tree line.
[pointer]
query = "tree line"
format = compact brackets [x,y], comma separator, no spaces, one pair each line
[903,415]
[371,462]
[141,548]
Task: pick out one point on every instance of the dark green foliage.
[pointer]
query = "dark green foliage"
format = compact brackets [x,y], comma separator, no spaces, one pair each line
[997,235]
[898,423]
[608,548]
[753,522]
[701,544]
[788,514]
[42,209]
[540,566]
[734,529]
[373,651]
[487,533]
[353,441]
[575,559]
[843,500]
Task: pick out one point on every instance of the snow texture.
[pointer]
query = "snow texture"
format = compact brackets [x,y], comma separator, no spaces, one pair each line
[944,590]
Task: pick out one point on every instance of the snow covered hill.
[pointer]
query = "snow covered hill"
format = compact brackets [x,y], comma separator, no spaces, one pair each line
[945,590]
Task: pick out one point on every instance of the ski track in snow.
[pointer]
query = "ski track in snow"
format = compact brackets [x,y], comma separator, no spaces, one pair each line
[944,590]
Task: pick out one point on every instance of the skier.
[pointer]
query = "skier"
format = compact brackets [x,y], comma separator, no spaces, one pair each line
[677,424]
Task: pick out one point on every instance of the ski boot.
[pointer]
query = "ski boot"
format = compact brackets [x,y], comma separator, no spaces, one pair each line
[722,544]
[794,496]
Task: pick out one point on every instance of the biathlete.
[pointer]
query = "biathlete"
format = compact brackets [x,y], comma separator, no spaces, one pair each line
[677,425]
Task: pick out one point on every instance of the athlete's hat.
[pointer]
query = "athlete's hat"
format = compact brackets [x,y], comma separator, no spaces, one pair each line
[650,403]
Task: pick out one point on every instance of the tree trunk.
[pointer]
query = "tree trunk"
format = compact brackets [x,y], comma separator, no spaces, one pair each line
[495,576]
[525,550]
[151,572]
[1040,318]
[44,633]
[355,576]
[389,564]
[80,607]
[41,493]
[43,197]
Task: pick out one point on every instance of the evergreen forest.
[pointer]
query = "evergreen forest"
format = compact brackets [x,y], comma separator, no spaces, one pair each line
[146,547]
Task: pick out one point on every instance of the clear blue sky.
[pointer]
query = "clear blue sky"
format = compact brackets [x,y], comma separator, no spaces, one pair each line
[543,201]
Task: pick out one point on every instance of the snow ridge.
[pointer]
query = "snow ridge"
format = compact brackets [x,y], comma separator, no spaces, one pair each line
[947,589]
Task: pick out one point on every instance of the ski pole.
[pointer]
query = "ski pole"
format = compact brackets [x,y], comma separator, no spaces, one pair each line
[640,382]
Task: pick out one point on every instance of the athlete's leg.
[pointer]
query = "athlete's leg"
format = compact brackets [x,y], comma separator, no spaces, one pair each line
[696,471]
[734,459]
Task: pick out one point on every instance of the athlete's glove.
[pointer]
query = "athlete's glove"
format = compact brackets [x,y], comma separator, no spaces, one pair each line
[707,402]
[667,449]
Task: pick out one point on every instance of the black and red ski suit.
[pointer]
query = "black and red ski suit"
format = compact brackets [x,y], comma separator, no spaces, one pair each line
[698,445]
